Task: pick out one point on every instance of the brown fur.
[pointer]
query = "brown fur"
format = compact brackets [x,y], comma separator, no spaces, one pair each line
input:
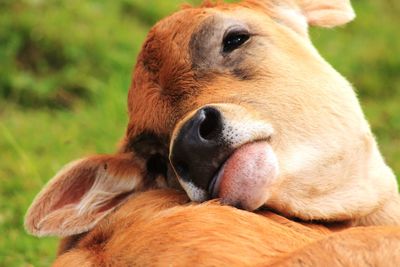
[330,168]
[158,228]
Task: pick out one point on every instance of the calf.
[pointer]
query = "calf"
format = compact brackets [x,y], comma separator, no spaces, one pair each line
[160,228]
[232,101]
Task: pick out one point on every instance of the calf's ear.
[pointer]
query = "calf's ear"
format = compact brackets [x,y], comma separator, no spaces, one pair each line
[83,192]
[299,14]
[325,13]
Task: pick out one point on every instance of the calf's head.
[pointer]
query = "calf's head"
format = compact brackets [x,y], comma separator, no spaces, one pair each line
[254,115]
[233,102]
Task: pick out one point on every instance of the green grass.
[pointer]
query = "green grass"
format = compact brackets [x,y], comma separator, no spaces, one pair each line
[98,43]
[34,146]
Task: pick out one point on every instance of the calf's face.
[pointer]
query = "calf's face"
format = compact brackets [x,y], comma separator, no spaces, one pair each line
[232,101]
[253,115]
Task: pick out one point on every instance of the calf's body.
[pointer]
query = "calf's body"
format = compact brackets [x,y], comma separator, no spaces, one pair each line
[161,228]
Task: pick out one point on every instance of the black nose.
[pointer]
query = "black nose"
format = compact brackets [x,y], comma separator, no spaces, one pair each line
[199,150]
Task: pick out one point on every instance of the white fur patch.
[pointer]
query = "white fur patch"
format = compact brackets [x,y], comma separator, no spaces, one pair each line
[241,127]
[237,133]
[195,193]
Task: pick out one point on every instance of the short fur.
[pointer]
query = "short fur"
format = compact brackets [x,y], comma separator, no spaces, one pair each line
[159,228]
[276,87]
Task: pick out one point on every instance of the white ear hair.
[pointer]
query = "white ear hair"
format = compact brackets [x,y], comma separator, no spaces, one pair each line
[328,13]
[83,192]
[299,14]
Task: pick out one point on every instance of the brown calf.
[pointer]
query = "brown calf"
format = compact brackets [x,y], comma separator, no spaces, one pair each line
[159,228]
[232,101]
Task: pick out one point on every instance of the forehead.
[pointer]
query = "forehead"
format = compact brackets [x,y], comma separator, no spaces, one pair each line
[171,57]
[167,37]
[170,39]
[165,53]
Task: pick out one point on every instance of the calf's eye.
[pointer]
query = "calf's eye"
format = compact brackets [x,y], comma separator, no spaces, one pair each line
[234,40]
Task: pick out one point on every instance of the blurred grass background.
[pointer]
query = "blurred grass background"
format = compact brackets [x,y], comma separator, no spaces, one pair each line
[65,69]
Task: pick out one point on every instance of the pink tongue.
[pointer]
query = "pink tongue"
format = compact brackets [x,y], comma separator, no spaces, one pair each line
[245,177]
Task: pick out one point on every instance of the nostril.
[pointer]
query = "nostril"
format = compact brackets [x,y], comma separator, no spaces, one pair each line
[211,127]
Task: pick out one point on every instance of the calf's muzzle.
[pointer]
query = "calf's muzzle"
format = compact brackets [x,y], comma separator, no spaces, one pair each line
[199,150]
